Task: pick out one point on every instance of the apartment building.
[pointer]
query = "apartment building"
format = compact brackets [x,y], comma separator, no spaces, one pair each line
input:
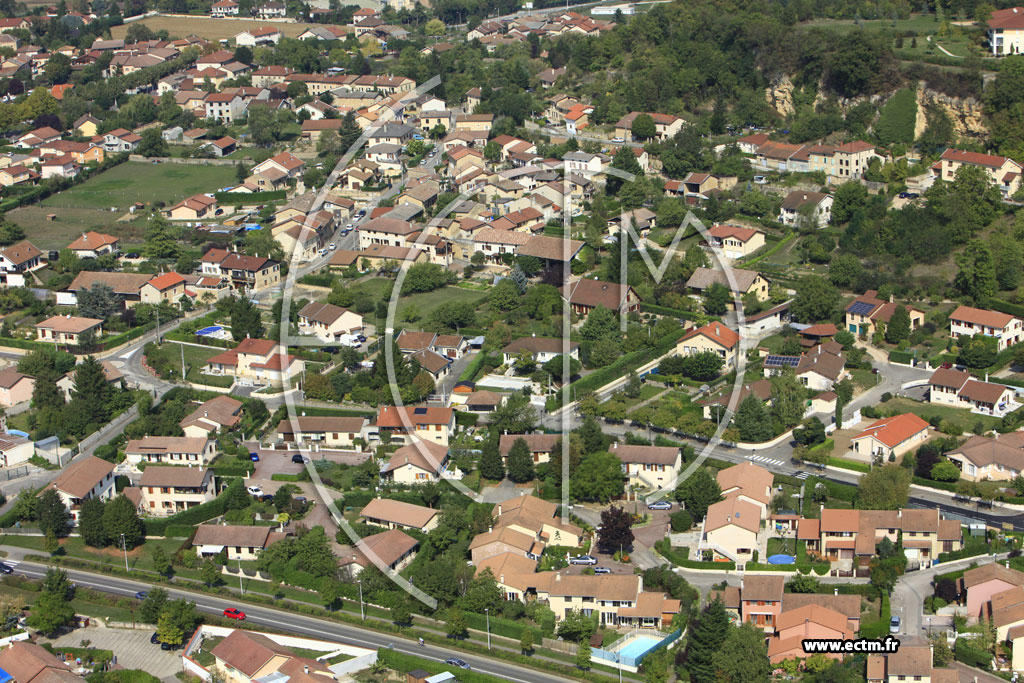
[1003,172]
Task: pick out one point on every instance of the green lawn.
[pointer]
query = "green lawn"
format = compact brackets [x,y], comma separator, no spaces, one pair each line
[87,206]
[965,419]
[425,303]
[195,359]
[138,558]
[918,23]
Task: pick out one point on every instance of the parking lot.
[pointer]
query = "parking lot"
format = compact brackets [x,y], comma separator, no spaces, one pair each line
[132,648]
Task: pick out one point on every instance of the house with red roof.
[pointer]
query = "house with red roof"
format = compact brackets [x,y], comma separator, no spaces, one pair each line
[406,424]
[91,244]
[867,313]
[714,337]
[255,361]
[264,35]
[733,241]
[1003,172]
[195,208]
[967,321]
[121,140]
[245,273]
[665,125]
[224,8]
[891,436]
[169,287]
[1006,31]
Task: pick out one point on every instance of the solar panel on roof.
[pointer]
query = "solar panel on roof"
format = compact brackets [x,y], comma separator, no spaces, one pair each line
[791,361]
[860,308]
[419,411]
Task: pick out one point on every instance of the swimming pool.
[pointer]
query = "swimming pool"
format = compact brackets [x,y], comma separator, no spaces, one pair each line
[213,329]
[638,646]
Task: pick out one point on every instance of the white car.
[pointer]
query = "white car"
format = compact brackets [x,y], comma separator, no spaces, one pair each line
[254,490]
[618,140]
[332,246]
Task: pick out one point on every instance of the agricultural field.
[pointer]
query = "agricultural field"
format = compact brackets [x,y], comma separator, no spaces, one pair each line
[208,27]
[88,206]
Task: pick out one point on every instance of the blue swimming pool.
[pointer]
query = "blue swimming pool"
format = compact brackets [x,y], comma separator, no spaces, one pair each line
[213,329]
[638,646]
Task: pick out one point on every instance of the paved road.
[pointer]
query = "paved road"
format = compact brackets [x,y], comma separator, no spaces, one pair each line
[913,587]
[300,624]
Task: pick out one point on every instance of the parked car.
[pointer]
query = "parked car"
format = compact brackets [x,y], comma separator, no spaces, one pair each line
[155,638]
[583,559]
[234,613]
[332,246]
[141,595]
[618,140]
[894,625]
[660,505]
[602,570]
[6,568]
[297,458]
[267,498]
[255,457]
[254,490]
[300,499]
[455,661]
[361,337]
[167,646]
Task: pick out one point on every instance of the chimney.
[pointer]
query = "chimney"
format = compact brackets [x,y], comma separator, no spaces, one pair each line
[835,591]
[558,577]
[490,529]
[206,413]
[305,668]
[807,627]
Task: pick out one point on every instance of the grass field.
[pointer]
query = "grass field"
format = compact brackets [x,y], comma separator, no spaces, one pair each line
[195,359]
[87,206]
[964,419]
[209,28]
[920,24]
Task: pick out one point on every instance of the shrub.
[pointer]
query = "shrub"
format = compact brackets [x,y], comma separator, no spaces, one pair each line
[681,521]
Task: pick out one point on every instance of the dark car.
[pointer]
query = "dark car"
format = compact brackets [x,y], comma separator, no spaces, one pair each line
[167,646]
[301,500]
[141,595]
[255,457]
[6,568]
[267,497]
[455,661]
[297,458]
[361,337]
[155,638]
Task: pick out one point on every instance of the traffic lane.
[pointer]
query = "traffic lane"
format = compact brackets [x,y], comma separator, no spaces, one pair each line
[297,623]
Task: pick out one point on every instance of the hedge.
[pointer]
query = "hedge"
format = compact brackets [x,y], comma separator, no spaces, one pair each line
[464,419]
[178,530]
[499,626]
[232,470]
[849,465]
[1007,307]
[357,499]
[676,312]
[904,357]
[771,250]
[620,368]
[125,337]
[878,629]
[23,344]
[317,280]
[280,476]
[473,368]
[944,485]
[963,652]
[200,513]
[240,198]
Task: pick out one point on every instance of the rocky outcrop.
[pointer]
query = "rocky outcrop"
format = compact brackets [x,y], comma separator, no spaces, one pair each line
[965,113]
[780,96]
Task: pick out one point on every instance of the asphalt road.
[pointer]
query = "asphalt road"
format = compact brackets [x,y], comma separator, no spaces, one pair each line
[303,625]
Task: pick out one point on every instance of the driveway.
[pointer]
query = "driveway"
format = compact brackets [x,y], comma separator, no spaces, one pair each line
[131,647]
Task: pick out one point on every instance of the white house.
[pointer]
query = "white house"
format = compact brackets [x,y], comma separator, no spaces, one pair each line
[815,206]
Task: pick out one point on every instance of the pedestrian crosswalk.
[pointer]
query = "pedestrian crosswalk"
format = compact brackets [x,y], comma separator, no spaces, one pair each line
[802,475]
[763,460]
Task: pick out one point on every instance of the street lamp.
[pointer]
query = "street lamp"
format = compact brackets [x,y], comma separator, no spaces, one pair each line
[618,664]
[240,588]
[362,613]
[487,613]
[124,545]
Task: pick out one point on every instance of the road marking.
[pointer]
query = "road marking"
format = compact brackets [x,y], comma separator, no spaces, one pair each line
[803,475]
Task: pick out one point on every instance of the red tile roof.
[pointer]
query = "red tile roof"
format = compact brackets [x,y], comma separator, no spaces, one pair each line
[892,431]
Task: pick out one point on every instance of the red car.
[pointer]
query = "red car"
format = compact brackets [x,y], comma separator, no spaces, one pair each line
[234,613]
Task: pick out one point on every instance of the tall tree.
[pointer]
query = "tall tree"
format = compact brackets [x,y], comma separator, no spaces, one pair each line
[520,462]
[787,398]
[161,239]
[898,327]
[92,389]
[598,478]
[699,492]
[246,320]
[707,638]
[616,532]
[743,656]
[752,420]
[90,523]
[816,299]
[884,488]
[977,275]
[120,517]
[53,516]
[491,465]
